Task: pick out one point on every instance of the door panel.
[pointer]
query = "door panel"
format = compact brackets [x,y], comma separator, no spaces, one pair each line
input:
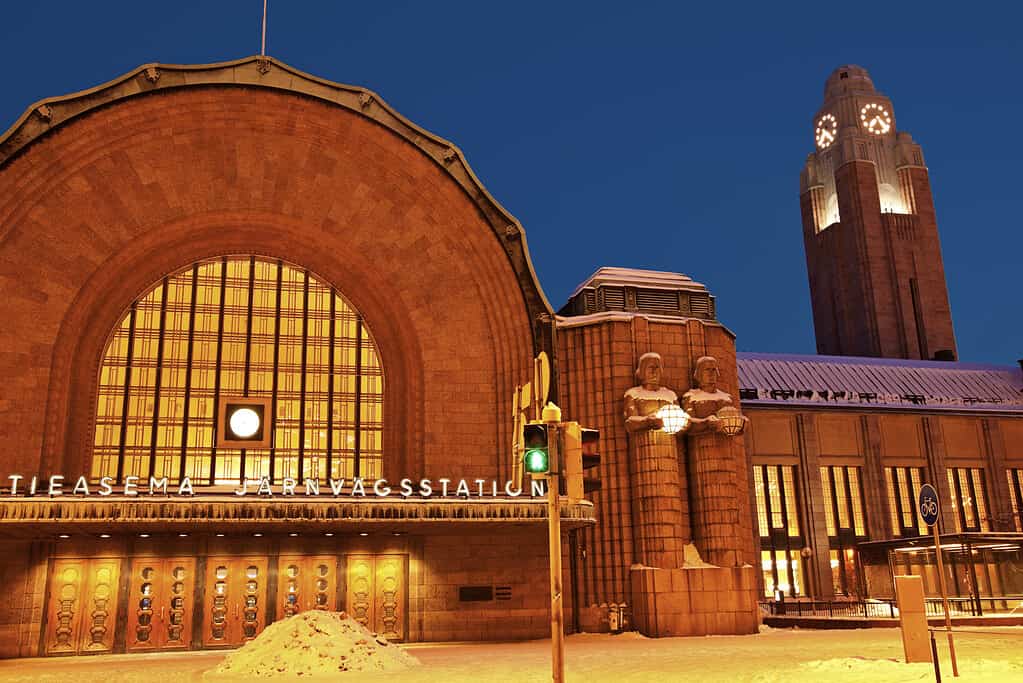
[235,602]
[305,583]
[160,603]
[390,597]
[65,611]
[376,595]
[83,606]
[359,599]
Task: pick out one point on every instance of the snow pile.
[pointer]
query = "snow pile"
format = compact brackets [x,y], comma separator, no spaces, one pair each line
[693,559]
[315,643]
[857,669]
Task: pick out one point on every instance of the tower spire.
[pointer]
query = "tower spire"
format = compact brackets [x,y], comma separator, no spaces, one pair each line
[877,282]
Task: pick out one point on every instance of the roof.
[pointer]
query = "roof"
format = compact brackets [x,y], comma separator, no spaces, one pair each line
[636,277]
[825,381]
[257,71]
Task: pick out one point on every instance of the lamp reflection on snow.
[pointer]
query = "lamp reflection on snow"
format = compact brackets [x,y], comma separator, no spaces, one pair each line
[674,418]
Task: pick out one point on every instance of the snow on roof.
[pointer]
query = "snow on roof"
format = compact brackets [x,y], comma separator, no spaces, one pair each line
[635,277]
[777,378]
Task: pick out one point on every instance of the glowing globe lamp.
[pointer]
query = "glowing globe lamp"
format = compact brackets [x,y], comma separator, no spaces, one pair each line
[674,418]
[244,422]
[732,421]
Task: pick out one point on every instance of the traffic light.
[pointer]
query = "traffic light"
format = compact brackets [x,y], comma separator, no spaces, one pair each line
[579,453]
[536,451]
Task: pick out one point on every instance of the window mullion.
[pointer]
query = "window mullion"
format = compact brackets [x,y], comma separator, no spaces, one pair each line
[302,378]
[216,374]
[276,378]
[330,387]
[159,377]
[358,393]
[126,405]
[186,412]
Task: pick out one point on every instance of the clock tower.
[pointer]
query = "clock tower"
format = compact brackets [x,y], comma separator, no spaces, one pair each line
[877,282]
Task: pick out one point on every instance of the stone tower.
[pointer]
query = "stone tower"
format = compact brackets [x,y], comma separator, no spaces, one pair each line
[877,282]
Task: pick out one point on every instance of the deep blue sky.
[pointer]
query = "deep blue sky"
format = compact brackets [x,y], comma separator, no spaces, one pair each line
[648,135]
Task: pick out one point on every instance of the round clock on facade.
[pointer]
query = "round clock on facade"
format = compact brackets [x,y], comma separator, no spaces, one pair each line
[827,127]
[875,119]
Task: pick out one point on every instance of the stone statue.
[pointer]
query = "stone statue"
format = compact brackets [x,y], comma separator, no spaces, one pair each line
[643,401]
[709,408]
[660,506]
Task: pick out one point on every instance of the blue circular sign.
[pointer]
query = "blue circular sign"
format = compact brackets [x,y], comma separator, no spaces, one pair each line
[927,504]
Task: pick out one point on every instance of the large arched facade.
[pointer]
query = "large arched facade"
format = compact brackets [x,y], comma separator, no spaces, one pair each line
[117,197]
[182,233]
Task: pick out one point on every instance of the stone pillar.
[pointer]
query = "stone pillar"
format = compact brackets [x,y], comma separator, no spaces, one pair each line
[819,583]
[714,462]
[659,530]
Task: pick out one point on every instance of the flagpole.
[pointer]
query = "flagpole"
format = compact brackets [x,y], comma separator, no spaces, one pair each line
[262,46]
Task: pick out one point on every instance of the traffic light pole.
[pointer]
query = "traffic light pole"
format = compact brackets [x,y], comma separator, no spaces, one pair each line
[554,533]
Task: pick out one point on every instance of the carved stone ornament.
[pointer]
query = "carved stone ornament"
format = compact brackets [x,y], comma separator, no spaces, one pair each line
[365,99]
[511,232]
[449,155]
[263,65]
[152,74]
[44,112]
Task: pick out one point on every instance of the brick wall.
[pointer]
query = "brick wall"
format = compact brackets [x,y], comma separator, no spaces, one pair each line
[102,207]
[519,561]
[860,271]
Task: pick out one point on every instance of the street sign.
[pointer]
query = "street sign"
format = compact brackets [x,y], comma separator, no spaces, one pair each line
[927,504]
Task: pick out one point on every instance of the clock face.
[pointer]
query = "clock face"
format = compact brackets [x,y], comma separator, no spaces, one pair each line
[827,127]
[875,119]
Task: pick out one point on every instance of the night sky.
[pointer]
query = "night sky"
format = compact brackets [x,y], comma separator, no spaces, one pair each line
[648,135]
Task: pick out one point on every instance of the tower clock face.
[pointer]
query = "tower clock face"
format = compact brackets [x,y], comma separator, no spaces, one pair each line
[875,119]
[827,128]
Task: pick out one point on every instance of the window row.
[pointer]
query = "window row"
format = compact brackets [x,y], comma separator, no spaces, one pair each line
[779,506]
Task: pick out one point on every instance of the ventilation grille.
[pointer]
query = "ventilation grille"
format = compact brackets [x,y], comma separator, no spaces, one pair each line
[657,300]
[614,299]
[699,304]
[590,302]
[503,592]
[475,593]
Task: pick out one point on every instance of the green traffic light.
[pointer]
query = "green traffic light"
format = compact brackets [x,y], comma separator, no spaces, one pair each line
[536,461]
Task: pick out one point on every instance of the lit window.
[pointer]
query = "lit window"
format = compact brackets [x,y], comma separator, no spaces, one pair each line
[966,486]
[231,327]
[843,507]
[1015,478]
[903,485]
[778,520]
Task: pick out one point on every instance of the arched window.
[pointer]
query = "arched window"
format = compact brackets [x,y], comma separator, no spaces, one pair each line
[239,326]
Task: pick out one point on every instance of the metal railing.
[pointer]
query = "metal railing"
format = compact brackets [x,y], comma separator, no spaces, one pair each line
[863,609]
[885,608]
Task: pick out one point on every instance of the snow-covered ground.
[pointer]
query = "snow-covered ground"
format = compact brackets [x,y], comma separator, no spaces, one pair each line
[776,655]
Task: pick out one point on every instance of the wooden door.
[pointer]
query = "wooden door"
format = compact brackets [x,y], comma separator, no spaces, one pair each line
[305,583]
[160,603]
[82,606]
[376,593]
[235,600]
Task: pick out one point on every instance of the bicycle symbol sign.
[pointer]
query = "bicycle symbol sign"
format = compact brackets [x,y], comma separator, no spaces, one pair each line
[927,503]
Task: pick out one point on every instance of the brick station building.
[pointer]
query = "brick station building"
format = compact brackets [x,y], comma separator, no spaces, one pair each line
[185,239]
